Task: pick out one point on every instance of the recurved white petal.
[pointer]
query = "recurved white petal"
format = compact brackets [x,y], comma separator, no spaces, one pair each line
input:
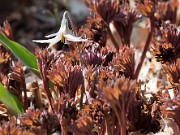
[54,41]
[42,41]
[73,38]
[55,34]
[51,35]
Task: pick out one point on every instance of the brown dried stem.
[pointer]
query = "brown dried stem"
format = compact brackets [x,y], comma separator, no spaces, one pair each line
[25,95]
[124,123]
[148,41]
[112,39]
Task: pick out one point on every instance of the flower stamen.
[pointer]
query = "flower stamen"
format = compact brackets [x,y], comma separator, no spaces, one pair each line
[62,38]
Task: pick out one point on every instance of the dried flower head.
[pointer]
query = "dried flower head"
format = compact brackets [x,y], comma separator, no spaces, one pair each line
[16,83]
[4,60]
[120,96]
[104,9]
[31,118]
[163,52]
[168,49]
[6,30]
[171,108]
[45,60]
[65,110]
[96,30]
[166,11]
[91,57]
[10,127]
[171,34]
[107,56]
[123,22]
[3,111]
[173,72]
[146,7]
[5,55]
[65,76]
[96,111]
[83,125]
[38,122]
[124,62]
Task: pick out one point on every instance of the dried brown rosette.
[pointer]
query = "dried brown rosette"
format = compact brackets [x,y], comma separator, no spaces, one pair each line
[168,48]
[173,72]
[97,31]
[124,62]
[64,76]
[16,83]
[163,52]
[146,7]
[10,127]
[104,9]
[65,108]
[166,11]
[5,56]
[123,23]
[170,107]
[120,96]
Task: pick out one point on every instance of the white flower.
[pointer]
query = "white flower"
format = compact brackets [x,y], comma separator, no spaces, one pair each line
[65,35]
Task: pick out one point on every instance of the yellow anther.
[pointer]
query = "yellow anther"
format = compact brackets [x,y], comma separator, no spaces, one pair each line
[63,38]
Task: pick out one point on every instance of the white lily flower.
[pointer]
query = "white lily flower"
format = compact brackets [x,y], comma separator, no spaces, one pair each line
[65,35]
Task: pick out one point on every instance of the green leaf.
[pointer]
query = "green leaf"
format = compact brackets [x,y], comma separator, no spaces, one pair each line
[25,56]
[10,101]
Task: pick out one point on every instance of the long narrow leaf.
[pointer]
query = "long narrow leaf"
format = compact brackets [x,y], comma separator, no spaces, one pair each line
[10,101]
[25,56]
[20,52]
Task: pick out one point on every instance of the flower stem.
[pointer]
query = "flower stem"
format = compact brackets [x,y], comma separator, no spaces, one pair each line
[148,41]
[64,130]
[80,55]
[25,96]
[108,130]
[123,120]
[112,38]
[66,13]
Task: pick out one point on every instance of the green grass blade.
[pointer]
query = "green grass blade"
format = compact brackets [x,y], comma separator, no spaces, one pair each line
[25,56]
[10,101]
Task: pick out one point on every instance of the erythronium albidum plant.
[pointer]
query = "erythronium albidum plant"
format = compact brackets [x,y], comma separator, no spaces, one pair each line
[110,88]
[65,35]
